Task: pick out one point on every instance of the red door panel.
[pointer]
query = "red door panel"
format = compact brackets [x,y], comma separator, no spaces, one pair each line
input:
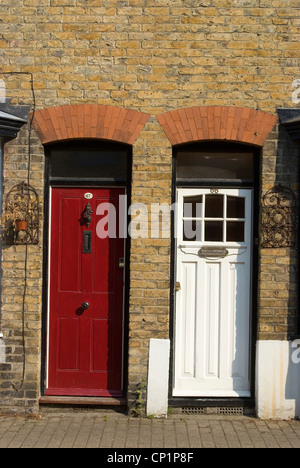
[85,345]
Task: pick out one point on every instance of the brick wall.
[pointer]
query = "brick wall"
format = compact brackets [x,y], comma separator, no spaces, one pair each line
[152,58]
[150,258]
[278,310]
[14,389]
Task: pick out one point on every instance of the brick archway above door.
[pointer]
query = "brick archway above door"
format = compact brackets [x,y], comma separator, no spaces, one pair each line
[238,124]
[88,121]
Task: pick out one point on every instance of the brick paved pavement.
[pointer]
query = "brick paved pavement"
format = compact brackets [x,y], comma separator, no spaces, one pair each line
[89,429]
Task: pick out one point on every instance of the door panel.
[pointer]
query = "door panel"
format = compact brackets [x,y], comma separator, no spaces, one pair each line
[68,343]
[213,268]
[85,349]
[69,235]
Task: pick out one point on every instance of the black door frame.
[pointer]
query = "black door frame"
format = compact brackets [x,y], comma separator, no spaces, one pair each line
[248,402]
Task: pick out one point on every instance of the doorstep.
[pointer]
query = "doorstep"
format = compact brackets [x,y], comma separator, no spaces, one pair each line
[82,401]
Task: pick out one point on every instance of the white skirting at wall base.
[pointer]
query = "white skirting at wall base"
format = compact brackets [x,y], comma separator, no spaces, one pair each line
[278,379]
[158,378]
[2,350]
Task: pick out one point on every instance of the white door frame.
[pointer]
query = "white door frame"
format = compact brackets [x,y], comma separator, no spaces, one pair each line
[212,328]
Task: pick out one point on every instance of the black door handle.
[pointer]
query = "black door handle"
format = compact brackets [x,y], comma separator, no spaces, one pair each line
[85,305]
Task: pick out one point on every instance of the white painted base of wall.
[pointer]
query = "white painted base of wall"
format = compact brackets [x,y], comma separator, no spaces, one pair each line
[277,380]
[2,350]
[158,378]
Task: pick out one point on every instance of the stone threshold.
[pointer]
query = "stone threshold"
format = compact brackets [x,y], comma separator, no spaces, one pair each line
[82,401]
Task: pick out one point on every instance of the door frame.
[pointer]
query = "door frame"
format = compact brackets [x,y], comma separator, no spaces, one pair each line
[220,184]
[77,183]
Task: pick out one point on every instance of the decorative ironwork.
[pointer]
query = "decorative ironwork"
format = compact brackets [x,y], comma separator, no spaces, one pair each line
[20,221]
[279,218]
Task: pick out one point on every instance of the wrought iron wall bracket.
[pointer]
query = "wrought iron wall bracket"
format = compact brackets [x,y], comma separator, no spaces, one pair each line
[279,218]
[20,221]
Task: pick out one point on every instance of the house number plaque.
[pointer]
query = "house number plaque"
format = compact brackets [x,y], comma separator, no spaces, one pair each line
[88,196]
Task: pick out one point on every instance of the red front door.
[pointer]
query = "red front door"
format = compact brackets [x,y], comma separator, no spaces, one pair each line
[86,295]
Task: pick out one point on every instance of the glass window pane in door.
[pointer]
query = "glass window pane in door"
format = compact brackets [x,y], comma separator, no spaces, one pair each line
[213,231]
[235,231]
[214,206]
[192,231]
[193,207]
[235,207]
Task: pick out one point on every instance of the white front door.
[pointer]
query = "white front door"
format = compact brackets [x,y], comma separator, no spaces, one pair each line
[213,293]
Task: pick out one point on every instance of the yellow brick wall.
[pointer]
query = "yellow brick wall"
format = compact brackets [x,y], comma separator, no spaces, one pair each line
[153,57]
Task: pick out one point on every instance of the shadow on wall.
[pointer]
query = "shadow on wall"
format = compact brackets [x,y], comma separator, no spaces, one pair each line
[278,359]
[287,172]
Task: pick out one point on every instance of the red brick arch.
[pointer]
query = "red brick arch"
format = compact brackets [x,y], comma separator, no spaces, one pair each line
[88,121]
[238,124]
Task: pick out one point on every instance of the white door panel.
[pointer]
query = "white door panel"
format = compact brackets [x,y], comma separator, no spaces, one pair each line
[212,320]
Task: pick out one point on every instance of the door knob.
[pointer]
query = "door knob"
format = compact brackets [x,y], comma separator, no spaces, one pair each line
[85,305]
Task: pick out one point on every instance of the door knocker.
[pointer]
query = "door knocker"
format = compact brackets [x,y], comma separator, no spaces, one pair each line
[86,217]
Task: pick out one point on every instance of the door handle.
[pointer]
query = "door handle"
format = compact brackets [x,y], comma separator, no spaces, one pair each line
[85,305]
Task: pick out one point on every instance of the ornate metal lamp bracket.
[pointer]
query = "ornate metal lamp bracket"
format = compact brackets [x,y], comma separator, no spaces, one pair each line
[279,218]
